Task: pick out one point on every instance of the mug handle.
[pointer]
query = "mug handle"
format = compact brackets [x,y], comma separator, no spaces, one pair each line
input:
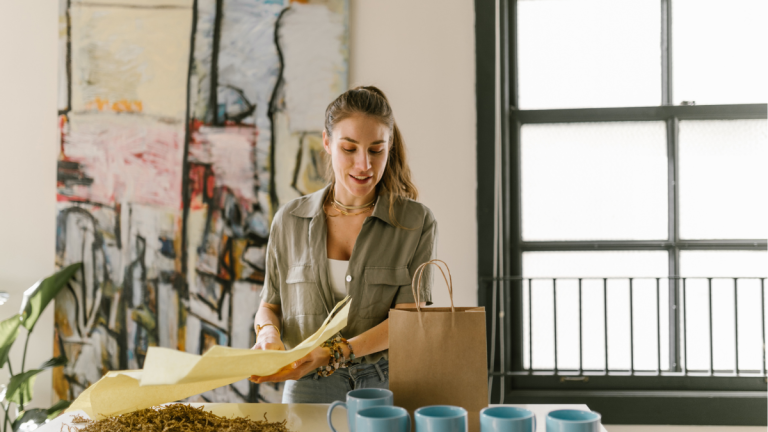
[534,422]
[330,411]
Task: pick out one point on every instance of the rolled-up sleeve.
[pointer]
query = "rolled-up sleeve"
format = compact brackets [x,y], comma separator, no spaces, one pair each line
[270,293]
[425,250]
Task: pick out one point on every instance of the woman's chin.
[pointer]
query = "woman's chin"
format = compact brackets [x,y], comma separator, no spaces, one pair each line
[359,191]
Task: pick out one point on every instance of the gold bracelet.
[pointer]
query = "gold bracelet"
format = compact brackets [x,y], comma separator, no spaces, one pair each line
[261,326]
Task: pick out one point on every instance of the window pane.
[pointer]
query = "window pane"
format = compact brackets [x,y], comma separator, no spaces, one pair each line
[594,181]
[723,266]
[719,51]
[723,181]
[588,53]
[619,265]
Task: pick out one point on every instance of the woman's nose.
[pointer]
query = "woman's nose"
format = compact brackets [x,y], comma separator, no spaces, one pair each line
[362,161]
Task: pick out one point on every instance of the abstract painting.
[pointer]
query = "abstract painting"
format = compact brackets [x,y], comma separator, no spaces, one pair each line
[184,125]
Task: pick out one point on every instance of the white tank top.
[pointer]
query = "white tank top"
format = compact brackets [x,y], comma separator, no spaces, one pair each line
[338,272]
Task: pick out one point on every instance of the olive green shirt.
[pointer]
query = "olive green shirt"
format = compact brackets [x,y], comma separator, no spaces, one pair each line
[383,260]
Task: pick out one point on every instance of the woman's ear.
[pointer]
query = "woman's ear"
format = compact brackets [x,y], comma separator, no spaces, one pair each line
[326,142]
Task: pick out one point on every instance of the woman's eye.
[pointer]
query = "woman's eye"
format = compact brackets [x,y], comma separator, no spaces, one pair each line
[377,152]
[348,150]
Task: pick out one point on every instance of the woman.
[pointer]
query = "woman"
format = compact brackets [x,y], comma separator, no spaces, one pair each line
[363,236]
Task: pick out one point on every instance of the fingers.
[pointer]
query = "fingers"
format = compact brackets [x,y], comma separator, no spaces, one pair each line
[299,362]
[268,346]
[260,346]
[278,377]
[285,373]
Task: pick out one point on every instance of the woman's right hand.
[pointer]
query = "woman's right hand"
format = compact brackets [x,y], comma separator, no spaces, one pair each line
[268,339]
[269,344]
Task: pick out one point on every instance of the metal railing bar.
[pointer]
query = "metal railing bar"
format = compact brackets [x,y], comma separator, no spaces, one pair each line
[736,322]
[637,373]
[581,351]
[492,356]
[548,278]
[530,328]
[500,284]
[711,348]
[683,303]
[554,309]
[658,328]
[762,315]
[605,320]
[649,372]
[631,328]
[502,347]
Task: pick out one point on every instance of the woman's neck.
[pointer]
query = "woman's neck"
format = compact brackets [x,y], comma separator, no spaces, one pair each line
[344,197]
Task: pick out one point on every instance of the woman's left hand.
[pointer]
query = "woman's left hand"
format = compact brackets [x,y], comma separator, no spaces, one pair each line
[315,359]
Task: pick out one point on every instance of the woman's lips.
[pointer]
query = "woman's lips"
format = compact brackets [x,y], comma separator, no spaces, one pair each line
[361,180]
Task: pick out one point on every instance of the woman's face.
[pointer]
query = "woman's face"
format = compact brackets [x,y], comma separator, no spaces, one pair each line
[359,147]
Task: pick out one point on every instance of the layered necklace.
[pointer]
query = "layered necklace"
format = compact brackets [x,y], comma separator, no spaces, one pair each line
[345,210]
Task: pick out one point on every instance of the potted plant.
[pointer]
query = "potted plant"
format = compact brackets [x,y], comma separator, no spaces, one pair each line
[18,391]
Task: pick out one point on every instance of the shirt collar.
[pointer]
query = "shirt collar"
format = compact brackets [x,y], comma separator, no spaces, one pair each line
[381,210]
[312,205]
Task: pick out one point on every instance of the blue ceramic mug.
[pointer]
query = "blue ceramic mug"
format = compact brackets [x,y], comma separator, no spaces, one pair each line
[383,419]
[358,400]
[441,418]
[573,421]
[507,419]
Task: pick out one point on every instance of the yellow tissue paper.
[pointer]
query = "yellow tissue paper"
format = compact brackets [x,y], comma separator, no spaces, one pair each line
[171,375]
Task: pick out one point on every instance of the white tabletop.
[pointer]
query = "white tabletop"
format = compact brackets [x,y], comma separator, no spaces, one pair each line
[304,417]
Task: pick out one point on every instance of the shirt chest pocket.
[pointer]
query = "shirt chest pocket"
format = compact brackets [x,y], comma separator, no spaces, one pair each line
[381,286]
[303,292]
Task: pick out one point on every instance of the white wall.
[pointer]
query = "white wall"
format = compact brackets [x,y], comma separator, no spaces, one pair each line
[420,53]
[28,66]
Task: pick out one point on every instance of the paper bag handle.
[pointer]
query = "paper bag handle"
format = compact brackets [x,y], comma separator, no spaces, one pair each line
[416,283]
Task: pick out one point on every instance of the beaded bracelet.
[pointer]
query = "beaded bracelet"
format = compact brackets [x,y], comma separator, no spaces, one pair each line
[337,359]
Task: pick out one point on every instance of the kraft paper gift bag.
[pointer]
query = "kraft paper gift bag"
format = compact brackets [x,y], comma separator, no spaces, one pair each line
[437,356]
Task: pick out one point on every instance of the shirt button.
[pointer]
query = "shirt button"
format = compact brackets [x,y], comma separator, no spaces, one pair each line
[349,278]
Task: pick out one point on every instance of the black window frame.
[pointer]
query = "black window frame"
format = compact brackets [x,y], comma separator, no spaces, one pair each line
[622,399]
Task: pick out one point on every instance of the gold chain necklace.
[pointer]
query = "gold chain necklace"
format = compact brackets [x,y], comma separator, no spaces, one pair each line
[346,210]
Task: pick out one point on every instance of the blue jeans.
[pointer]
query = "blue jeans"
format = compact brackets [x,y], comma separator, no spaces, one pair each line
[314,389]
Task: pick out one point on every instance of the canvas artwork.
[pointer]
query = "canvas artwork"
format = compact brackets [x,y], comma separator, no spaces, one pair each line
[184,125]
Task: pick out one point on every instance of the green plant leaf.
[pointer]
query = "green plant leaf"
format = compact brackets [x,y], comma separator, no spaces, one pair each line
[20,387]
[37,297]
[37,416]
[9,331]
[54,362]
[57,408]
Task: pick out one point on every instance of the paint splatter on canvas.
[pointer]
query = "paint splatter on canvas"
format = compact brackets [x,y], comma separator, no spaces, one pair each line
[184,125]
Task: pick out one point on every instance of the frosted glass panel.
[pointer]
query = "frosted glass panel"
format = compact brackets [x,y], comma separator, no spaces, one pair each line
[588,53]
[723,180]
[719,51]
[723,266]
[724,263]
[594,181]
[600,264]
